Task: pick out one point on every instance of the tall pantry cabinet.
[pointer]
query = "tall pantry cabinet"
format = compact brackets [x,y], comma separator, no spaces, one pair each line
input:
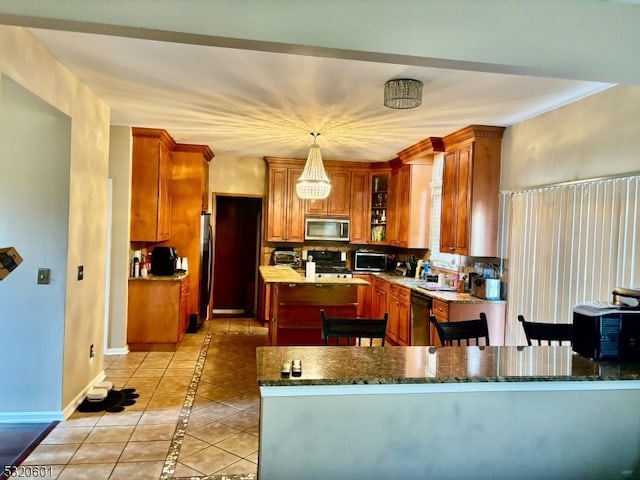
[189,198]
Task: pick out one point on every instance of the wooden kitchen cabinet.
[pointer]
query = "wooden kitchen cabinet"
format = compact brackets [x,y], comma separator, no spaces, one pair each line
[470,192]
[456,311]
[285,210]
[158,313]
[338,203]
[360,213]
[380,297]
[398,328]
[413,204]
[150,185]
[189,188]
[365,295]
[379,206]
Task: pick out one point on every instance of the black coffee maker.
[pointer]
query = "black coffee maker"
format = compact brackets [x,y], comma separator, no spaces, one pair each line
[163,261]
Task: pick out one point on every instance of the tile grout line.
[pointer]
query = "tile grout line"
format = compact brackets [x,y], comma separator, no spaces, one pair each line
[176,443]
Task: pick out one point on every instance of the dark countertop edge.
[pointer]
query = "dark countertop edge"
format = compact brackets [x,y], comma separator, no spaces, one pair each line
[162,278]
[295,382]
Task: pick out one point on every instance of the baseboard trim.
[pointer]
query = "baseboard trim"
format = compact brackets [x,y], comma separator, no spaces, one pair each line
[71,407]
[31,417]
[117,351]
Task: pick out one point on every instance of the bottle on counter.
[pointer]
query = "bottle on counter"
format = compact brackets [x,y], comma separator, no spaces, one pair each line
[136,267]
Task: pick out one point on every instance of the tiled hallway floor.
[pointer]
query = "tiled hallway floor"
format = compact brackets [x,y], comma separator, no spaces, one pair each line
[197,415]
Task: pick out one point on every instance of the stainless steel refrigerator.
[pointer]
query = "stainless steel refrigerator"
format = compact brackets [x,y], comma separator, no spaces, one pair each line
[206,273]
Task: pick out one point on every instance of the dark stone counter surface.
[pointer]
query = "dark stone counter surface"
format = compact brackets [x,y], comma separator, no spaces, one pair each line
[177,277]
[404,365]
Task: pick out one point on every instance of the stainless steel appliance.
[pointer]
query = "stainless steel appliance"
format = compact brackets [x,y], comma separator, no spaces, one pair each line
[333,229]
[329,264]
[609,331]
[369,261]
[420,311]
[206,273]
[486,288]
[163,261]
[286,257]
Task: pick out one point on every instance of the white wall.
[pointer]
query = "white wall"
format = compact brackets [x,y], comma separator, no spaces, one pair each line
[596,136]
[82,180]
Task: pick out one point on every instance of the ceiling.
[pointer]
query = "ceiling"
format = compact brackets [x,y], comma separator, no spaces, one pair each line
[248,103]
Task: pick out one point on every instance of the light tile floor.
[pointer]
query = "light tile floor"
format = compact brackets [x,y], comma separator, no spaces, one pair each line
[197,415]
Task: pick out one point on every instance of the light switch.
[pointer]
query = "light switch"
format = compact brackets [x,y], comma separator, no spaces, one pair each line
[43,276]
[81,272]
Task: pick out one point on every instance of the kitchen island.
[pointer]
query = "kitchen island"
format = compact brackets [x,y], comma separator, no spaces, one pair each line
[447,412]
[295,303]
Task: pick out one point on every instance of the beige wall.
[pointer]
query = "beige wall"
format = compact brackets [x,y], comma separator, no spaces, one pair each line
[242,176]
[31,66]
[596,136]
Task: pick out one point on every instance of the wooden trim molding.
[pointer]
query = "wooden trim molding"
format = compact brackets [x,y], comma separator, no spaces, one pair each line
[158,133]
[471,133]
[428,146]
[206,152]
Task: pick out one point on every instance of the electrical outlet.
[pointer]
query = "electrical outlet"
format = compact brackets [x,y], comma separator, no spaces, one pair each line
[81,272]
[43,276]
[92,352]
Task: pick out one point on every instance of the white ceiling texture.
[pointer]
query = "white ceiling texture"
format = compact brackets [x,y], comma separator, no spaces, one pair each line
[253,78]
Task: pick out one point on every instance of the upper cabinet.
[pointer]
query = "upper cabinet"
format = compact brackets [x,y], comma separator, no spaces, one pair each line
[379,206]
[337,204]
[470,191]
[150,180]
[285,210]
[360,215]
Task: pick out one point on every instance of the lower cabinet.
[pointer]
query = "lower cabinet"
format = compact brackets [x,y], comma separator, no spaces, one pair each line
[295,310]
[453,311]
[398,328]
[365,294]
[158,313]
[380,298]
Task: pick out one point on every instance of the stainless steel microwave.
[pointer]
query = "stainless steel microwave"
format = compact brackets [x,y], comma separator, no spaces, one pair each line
[334,229]
[370,261]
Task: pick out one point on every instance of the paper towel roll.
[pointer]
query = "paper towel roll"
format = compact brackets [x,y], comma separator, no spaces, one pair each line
[310,271]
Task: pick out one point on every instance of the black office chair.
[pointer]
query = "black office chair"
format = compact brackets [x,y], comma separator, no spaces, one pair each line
[349,331]
[465,330]
[547,332]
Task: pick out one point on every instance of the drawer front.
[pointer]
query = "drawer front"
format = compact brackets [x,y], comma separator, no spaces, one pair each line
[440,308]
[403,293]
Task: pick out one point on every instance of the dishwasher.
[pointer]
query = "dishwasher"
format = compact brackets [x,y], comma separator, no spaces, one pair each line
[420,312]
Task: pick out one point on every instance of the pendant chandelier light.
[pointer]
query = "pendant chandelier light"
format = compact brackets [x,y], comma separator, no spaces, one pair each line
[313,184]
[403,93]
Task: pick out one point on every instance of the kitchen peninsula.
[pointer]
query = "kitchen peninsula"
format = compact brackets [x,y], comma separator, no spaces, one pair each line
[295,303]
[447,412]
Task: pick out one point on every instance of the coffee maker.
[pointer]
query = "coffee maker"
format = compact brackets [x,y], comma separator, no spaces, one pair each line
[163,261]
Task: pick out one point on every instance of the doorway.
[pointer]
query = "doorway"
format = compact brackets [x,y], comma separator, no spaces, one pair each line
[236,247]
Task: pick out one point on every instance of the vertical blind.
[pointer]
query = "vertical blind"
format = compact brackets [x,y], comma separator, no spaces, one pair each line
[568,244]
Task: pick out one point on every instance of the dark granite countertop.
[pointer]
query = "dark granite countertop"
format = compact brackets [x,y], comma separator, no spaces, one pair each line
[404,365]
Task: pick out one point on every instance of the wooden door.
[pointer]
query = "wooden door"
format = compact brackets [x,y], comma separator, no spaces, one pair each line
[463,202]
[449,203]
[237,226]
[339,201]
[359,207]
[277,205]
[403,311]
[365,296]
[294,218]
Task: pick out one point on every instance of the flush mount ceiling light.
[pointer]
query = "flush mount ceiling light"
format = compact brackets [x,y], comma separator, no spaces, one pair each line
[402,93]
[313,184]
